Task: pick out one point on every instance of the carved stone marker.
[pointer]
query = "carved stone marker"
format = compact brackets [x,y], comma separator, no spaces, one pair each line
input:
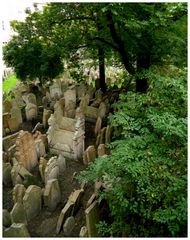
[92,218]
[18,214]
[25,150]
[52,194]
[52,169]
[32,201]
[18,193]
[16,230]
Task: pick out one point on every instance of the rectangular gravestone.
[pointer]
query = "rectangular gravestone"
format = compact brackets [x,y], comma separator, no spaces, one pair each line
[18,213]
[92,218]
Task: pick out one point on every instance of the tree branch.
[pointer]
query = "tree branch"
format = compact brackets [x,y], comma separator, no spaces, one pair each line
[101,39]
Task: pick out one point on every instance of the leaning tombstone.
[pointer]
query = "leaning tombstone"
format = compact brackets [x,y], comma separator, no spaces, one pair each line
[18,193]
[42,167]
[92,218]
[31,111]
[68,226]
[52,169]
[101,150]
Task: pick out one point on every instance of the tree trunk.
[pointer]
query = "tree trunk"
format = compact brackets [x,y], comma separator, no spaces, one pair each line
[102,78]
[143,63]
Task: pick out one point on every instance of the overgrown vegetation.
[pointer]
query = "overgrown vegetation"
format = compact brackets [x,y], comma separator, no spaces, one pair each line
[146,173]
[9,82]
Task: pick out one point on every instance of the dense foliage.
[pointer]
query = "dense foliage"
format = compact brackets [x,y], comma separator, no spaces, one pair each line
[136,35]
[146,173]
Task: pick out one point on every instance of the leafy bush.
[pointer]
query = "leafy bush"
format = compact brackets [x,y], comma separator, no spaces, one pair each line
[146,173]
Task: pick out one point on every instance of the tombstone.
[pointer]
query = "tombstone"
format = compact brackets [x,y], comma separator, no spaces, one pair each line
[70,95]
[31,98]
[6,117]
[91,90]
[7,180]
[32,201]
[52,169]
[92,218]
[62,163]
[65,213]
[18,193]
[7,106]
[46,102]
[46,116]
[6,218]
[84,102]
[102,135]
[31,111]
[89,155]
[16,113]
[69,111]
[58,110]
[91,199]
[81,91]
[68,226]
[13,124]
[102,110]
[25,150]
[18,173]
[98,126]
[75,198]
[83,232]
[43,137]
[108,134]
[42,166]
[18,214]
[16,230]
[52,194]
[91,113]
[40,148]
[101,150]
[55,90]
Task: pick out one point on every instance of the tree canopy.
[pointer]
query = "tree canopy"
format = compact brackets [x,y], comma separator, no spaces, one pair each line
[137,35]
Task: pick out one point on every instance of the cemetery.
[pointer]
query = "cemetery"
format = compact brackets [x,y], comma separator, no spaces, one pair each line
[94,120]
[47,140]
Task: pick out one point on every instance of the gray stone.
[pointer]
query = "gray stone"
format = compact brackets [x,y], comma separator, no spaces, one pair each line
[31,111]
[92,218]
[102,110]
[16,230]
[62,163]
[68,226]
[83,232]
[65,213]
[18,214]
[52,194]
[52,169]
[32,201]
[42,167]
[18,193]
[98,126]
[6,218]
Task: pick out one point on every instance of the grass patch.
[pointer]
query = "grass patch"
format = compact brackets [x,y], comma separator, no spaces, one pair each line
[9,83]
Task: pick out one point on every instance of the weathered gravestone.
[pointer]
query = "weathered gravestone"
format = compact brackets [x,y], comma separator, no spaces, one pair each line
[16,230]
[89,155]
[25,150]
[68,226]
[101,150]
[18,193]
[83,232]
[102,110]
[70,95]
[92,218]
[18,214]
[16,113]
[98,126]
[31,98]
[40,148]
[52,169]
[13,124]
[84,102]
[108,134]
[55,90]
[31,111]
[52,194]
[81,91]
[62,163]
[69,110]
[32,201]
